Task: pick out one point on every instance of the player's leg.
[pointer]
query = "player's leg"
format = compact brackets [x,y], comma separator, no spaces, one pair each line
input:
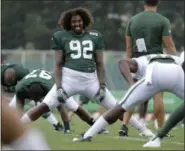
[142,112]
[71,113]
[81,101]
[63,113]
[128,118]
[159,109]
[131,98]
[80,111]
[17,136]
[176,86]
[52,120]
[175,117]
[50,102]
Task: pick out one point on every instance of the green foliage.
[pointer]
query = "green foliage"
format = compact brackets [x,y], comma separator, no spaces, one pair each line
[35,21]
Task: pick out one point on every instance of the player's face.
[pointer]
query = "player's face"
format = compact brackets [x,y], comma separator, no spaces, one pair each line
[77,24]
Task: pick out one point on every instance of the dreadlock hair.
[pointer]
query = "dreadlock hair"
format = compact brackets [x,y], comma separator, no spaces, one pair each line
[65,18]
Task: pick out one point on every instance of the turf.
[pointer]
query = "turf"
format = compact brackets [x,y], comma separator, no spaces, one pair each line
[61,141]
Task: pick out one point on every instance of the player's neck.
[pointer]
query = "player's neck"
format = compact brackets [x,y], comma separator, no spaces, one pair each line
[78,34]
[150,9]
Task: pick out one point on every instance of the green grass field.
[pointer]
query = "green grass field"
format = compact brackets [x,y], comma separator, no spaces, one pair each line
[61,141]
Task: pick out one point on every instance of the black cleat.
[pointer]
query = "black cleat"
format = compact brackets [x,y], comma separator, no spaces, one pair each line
[58,127]
[123,131]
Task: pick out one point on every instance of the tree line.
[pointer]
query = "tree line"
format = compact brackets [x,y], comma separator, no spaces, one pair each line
[31,23]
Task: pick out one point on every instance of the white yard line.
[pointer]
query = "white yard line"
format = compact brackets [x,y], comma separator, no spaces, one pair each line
[142,140]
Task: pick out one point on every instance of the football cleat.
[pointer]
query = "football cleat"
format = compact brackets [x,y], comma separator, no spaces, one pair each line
[67,132]
[123,131]
[81,139]
[146,132]
[58,127]
[153,143]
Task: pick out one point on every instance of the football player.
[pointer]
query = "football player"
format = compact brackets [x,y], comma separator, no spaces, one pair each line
[11,74]
[175,117]
[156,70]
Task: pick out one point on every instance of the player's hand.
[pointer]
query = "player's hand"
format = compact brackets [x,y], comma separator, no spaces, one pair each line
[62,95]
[101,94]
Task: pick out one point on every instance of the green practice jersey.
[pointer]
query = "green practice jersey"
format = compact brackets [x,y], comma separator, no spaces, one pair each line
[39,76]
[147,29]
[20,72]
[78,50]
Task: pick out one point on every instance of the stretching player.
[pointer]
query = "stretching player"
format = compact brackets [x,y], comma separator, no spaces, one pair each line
[141,128]
[34,86]
[11,74]
[156,69]
[175,117]
[17,136]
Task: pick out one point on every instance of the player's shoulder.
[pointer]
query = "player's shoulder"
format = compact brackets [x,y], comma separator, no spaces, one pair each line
[137,15]
[60,33]
[162,17]
[94,33]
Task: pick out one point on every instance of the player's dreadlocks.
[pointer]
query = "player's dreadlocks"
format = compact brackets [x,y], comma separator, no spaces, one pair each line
[65,19]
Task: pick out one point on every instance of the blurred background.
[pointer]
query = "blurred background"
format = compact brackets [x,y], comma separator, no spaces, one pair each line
[27,26]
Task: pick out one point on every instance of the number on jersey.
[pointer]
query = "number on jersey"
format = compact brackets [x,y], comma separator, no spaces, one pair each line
[43,74]
[81,49]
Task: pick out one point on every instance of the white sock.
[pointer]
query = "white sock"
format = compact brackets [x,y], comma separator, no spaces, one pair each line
[96,127]
[52,119]
[25,118]
[30,140]
[136,123]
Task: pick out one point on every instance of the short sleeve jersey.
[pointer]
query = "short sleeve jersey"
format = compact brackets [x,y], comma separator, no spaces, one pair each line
[78,50]
[39,76]
[149,27]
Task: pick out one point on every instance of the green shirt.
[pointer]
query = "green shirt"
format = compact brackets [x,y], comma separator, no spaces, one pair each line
[39,76]
[150,27]
[78,50]
[20,72]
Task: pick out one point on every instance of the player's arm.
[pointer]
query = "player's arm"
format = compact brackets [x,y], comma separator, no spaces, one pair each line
[58,67]
[56,46]
[167,38]
[127,66]
[100,67]
[128,40]
[20,99]
[99,60]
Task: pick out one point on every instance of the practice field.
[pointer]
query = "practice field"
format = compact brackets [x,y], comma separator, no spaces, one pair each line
[61,141]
